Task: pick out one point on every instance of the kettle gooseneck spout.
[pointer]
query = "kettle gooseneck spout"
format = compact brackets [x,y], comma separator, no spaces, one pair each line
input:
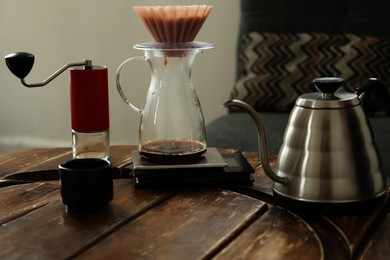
[261,138]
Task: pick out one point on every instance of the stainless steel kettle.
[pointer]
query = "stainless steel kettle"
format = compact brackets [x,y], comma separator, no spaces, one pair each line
[328,158]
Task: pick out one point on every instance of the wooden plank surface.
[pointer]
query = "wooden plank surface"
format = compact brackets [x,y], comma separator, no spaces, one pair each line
[193,224]
[170,220]
[16,201]
[48,232]
[33,160]
[236,217]
[355,229]
[378,243]
[38,160]
[279,234]
[350,231]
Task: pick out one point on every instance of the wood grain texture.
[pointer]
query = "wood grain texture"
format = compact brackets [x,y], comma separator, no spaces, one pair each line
[16,201]
[193,224]
[224,222]
[377,241]
[49,159]
[33,160]
[278,234]
[353,229]
[48,232]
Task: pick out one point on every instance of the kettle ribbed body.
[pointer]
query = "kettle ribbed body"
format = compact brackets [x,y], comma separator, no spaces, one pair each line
[328,161]
[329,155]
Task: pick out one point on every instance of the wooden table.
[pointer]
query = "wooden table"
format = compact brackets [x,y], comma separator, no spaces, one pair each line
[231,222]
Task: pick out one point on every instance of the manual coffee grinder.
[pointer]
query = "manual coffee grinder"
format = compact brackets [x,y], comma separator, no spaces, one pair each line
[172,128]
[88,99]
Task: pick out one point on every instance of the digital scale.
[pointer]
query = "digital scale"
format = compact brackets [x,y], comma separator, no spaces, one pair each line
[212,168]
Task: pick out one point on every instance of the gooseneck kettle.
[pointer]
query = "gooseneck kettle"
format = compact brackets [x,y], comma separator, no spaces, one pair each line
[328,158]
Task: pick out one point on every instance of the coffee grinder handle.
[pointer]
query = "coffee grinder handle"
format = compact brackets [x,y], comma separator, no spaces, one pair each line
[21,63]
[118,84]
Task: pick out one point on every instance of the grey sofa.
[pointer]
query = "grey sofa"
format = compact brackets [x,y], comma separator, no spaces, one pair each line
[284,45]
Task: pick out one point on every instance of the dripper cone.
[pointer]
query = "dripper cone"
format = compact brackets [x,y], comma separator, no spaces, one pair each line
[173,24]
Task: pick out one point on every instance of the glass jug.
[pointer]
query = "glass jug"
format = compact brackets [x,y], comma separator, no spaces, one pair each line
[172,127]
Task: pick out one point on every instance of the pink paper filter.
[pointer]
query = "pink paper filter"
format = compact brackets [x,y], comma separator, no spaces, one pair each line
[173,24]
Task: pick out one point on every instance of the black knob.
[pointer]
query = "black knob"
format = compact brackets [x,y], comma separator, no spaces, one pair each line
[328,85]
[20,63]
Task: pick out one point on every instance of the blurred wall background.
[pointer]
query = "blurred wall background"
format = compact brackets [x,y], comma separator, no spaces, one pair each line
[59,32]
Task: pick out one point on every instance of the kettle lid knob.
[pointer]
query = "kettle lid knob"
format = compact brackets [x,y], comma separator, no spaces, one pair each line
[328,96]
[328,85]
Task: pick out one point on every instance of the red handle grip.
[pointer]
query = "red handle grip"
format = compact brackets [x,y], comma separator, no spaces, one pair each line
[89,99]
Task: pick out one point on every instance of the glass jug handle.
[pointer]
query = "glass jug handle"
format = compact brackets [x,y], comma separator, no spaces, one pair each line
[118,84]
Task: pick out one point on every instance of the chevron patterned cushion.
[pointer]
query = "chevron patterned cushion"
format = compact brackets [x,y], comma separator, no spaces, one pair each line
[275,68]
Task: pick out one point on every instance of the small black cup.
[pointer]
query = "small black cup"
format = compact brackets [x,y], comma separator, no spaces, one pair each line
[86,184]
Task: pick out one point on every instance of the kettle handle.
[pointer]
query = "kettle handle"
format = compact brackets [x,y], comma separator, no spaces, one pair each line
[118,84]
[379,89]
